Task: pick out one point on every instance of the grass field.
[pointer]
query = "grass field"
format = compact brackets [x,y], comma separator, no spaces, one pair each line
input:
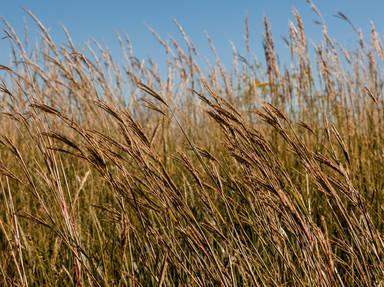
[255,174]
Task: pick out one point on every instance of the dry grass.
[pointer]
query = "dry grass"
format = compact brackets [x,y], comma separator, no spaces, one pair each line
[257,175]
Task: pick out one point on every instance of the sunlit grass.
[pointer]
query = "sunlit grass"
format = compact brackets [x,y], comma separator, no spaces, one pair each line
[255,175]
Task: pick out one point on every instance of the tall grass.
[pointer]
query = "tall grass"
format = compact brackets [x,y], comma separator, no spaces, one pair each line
[258,174]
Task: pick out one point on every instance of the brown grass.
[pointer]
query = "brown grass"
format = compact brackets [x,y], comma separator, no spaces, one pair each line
[259,175]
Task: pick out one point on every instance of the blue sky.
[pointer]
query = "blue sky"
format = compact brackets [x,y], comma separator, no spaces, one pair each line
[223,20]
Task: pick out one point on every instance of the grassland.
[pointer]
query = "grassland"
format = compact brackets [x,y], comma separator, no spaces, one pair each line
[257,174]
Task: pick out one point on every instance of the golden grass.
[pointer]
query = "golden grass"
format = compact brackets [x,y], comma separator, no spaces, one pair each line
[258,175]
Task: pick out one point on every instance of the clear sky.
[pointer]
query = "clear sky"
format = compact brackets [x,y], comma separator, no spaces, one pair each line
[222,19]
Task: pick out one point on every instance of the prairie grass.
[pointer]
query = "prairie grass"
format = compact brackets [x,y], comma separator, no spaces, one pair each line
[258,174]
